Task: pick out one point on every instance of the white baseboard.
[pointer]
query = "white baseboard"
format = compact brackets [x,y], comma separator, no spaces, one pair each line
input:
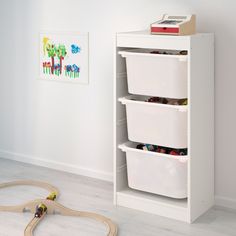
[225,202]
[56,165]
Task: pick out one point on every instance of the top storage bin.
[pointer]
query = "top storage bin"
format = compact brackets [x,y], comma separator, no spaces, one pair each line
[151,74]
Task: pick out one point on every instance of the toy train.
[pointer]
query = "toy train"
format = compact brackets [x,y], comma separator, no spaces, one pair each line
[40,210]
[52,196]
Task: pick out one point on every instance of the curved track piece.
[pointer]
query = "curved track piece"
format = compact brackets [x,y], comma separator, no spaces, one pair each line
[56,208]
[39,184]
[52,208]
[32,225]
[22,207]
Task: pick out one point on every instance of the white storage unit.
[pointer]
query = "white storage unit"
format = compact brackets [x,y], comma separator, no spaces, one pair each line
[157,173]
[154,123]
[141,185]
[152,74]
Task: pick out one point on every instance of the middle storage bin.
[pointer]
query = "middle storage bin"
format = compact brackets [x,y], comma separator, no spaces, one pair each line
[155,123]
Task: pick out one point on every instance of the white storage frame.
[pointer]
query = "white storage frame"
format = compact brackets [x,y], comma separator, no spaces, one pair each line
[200,49]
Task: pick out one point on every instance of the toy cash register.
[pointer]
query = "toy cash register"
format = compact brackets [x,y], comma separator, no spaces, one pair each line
[175,25]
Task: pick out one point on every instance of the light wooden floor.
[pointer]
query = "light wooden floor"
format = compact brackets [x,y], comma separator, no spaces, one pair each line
[88,194]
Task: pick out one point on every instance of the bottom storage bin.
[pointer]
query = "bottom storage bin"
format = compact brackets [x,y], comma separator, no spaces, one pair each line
[156,173]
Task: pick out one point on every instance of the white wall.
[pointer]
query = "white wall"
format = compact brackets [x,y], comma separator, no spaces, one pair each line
[70,126]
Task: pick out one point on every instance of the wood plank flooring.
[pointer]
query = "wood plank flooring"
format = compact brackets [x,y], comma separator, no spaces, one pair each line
[89,194]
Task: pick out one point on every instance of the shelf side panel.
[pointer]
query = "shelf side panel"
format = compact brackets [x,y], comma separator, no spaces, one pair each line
[201,125]
[119,123]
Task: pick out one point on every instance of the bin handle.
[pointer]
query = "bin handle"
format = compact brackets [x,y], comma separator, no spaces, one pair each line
[122,100]
[122,53]
[145,54]
[125,147]
[125,100]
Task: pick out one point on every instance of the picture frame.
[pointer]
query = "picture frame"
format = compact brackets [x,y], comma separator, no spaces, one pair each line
[64,57]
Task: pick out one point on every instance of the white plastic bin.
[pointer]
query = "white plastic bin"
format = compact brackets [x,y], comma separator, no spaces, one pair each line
[156,74]
[154,123]
[155,172]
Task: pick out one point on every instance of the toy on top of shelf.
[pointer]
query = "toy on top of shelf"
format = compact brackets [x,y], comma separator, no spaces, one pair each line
[175,25]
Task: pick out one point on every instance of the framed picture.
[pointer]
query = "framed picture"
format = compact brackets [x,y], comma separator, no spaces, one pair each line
[64,57]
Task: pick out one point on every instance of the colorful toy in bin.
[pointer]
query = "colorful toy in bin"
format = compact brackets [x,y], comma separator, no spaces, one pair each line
[158,100]
[174,152]
[184,102]
[140,146]
[169,101]
[149,147]
[183,52]
[162,150]
[165,150]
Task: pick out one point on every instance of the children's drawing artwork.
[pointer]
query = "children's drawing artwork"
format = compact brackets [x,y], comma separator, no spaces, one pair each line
[64,57]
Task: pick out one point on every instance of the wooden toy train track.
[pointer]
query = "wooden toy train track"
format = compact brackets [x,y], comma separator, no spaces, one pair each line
[41,207]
